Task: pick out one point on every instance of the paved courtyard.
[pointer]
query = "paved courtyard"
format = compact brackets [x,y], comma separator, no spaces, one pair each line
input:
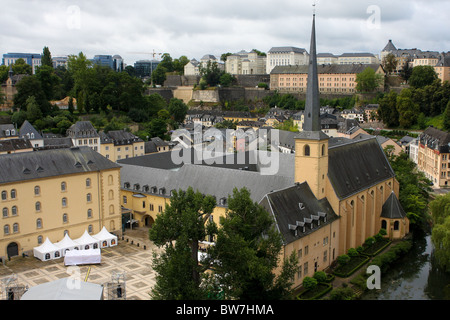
[132,257]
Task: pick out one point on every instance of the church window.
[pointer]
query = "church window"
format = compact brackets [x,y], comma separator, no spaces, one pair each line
[307,150]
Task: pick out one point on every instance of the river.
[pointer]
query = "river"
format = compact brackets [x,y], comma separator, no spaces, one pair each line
[416,276]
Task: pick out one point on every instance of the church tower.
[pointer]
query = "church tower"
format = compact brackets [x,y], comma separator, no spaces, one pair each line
[311,145]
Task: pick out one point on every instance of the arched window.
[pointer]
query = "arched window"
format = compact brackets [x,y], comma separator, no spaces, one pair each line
[13,193]
[396,225]
[5,212]
[111,209]
[4,195]
[39,240]
[323,150]
[88,197]
[306,150]
[39,223]
[111,195]
[63,186]
[37,191]
[110,179]
[64,202]
[14,211]
[47,256]
[15,227]
[89,213]
[65,218]
[37,205]
[6,229]
[90,228]
[88,182]
[383,224]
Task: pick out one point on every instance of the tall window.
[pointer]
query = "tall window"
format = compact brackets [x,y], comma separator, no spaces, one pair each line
[65,218]
[37,205]
[15,228]
[6,229]
[89,213]
[64,202]
[307,150]
[13,193]
[37,191]
[88,197]
[4,195]
[39,223]
[88,182]
[14,211]
[5,212]
[63,186]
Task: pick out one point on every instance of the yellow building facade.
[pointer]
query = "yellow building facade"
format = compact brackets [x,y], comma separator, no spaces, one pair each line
[47,200]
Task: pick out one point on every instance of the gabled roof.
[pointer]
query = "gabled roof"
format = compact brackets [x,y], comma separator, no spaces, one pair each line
[14,145]
[357,165]
[296,207]
[27,129]
[392,209]
[82,129]
[50,163]
[389,46]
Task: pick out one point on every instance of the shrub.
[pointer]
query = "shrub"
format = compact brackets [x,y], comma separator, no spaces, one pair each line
[309,283]
[320,276]
[343,259]
[382,232]
[360,249]
[378,237]
[345,293]
[352,252]
[369,241]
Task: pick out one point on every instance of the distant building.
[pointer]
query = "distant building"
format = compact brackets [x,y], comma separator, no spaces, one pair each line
[326,58]
[145,68]
[246,63]
[32,59]
[28,132]
[192,68]
[442,67]
[60,62]
[433,157]
[286,56]
[120,144]
[83,133]
[333,78]
[9,88]
[354,58]
[103,60]
[118,63]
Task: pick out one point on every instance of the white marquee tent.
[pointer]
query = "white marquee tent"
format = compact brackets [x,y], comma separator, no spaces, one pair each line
[106,239]
[67,244]
[47,251]
[86,241]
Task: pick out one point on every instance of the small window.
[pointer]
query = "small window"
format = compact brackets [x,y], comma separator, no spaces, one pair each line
[5,212]
[88,197]
[88,183]
[14,211]
[37,205]
[15,228]
[4,195]
[89,213]
[39,223]
[124,199]
[63,186]
[396,225]
[13,193]
[65,218]
[37,191]
[90,228]
[39,239]
[6,229]
[64,202]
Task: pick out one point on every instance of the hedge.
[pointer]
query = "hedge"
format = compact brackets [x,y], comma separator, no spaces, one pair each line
[376,248]
[341,273]
[316,293]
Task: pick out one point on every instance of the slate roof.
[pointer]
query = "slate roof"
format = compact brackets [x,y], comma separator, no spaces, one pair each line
[118,137]
[325,68]
[392,209]
[297,211]
[435,139]
[82,129]
[48,163]
[389,46]
[286,49]
[6,129]
[357,165]
[217,181]
[12,145]
[27,128]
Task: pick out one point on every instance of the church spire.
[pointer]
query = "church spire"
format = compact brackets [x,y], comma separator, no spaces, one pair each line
[312,105]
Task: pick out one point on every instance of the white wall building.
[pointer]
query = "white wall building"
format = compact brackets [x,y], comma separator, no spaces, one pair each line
[286,56]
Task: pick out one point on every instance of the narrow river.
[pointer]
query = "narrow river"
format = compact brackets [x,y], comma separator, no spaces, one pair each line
[416,276]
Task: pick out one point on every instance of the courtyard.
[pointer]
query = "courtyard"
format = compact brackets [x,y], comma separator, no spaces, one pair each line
[132,257]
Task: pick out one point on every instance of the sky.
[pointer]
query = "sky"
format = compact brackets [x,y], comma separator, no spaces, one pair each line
[135,29]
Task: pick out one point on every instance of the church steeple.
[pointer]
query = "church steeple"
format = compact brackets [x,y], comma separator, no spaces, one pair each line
[312,105]
[311,144]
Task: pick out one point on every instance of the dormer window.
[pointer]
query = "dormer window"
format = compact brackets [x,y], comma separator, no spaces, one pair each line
[126,185]
[223,201]
[154,189]
[137,186]
[162,191]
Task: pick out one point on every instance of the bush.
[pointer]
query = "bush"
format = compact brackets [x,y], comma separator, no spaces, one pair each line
[378,237]
[369,241]
[343,259]
[360,249]
[352,252]
[382,232]
[346,293]
[320,276]
[309,283]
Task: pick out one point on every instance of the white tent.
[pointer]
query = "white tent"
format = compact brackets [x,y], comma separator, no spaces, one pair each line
[76,257]
[47,251]
[67,244]
[86,241]
[106,238]
[65,289]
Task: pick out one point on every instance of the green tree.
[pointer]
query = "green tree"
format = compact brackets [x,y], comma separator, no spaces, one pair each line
[178,64]
[440,236]
[159,75]
[4,70]
[177,109]
[70,106]
[387,109]
[247,249]
[210,73]
[389,63]
[422,76]
[405,72]
[368,80]
[178,230]
[227,79]
[49,80]
[46,59]
[21,67]
[27,87]
[33,111]
[224,56]
[407,109]
[309,283]
[446,122]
